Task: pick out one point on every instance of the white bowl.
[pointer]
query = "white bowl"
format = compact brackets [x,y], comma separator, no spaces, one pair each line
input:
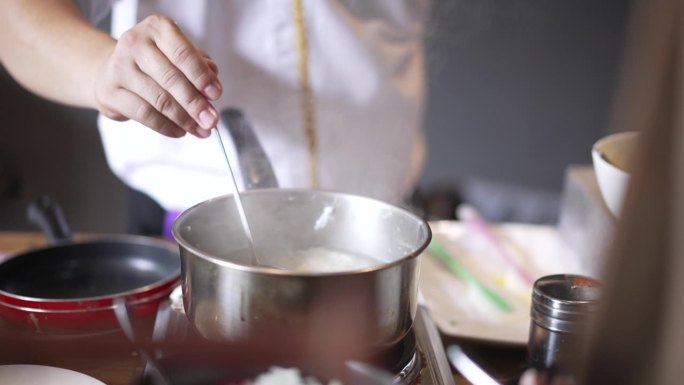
[44,375]
[612,156]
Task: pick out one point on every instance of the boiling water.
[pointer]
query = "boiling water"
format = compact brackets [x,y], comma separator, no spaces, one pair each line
[324,260]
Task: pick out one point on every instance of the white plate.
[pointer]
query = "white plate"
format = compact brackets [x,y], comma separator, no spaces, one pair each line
[43,375]
[460,310]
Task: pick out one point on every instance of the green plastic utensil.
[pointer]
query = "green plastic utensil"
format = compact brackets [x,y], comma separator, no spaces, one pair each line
[462,272]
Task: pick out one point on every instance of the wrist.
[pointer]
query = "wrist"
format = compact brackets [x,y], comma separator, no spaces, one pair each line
[100,59]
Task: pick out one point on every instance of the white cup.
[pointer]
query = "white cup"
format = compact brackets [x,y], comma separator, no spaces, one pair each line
[612,156]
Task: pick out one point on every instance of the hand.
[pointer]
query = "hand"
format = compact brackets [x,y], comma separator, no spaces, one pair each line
[154,75]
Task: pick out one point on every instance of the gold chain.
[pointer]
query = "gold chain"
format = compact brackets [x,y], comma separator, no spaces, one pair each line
[307,97]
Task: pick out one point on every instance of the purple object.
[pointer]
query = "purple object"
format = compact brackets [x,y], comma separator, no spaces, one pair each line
[169,218]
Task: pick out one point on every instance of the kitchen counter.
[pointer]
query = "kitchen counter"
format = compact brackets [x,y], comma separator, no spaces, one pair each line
[121,365]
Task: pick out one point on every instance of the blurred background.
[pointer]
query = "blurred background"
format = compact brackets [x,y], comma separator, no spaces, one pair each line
[518,90]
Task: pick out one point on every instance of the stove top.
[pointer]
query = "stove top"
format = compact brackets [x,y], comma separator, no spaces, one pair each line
[435,369]
[419,359]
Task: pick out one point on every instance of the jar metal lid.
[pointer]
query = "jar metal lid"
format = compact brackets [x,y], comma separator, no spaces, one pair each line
[562,302]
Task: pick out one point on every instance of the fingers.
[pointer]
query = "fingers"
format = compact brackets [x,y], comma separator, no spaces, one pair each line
[210,62]
[212,66]
[165,103]
[188,59]
[155,65]
[172,82]
[133,106]
[181,69]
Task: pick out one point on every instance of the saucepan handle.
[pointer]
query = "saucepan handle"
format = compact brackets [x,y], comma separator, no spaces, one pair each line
[255,166]
[49,217]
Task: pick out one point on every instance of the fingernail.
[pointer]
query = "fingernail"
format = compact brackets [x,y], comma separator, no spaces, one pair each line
[213,90]
[206,118]
[202,133]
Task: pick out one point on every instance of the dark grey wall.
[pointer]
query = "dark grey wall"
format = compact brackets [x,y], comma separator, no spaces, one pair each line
[518,90]
[50,149]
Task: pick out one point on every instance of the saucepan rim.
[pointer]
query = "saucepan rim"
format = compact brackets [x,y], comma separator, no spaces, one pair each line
[290,273]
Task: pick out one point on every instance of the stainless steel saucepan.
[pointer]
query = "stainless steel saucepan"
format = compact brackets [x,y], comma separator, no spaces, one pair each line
[225,297]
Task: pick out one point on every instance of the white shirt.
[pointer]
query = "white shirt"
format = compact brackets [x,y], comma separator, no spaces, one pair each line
[367,74]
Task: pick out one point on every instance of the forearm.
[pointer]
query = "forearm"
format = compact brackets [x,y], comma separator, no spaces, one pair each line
[152,74]
[49,48]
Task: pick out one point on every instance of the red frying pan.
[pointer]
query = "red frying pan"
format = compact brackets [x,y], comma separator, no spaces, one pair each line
[70,287]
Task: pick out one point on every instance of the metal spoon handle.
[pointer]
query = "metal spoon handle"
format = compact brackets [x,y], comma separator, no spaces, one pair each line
[238,202]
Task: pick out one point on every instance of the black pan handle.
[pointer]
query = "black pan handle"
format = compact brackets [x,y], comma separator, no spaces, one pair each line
[255,166]
[48,215]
